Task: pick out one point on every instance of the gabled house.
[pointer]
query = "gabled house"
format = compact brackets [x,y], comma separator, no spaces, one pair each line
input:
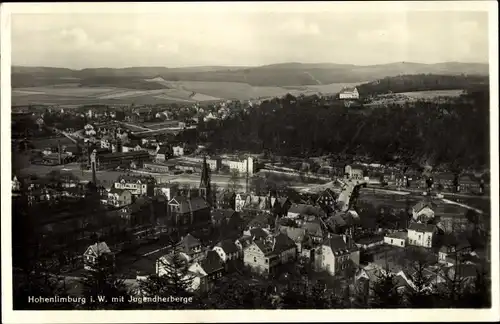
[261,220]
[239,201]
[138,186]
[423,211]
[349,93]
[304,210]
[421,234]
[119,197]
[257,234]
[327,198]
[264,256]
[191,247]
[338,253]
[281,206]
[98,256]
[16,184]
[228,250]
[207,271]
[298,235]
[226,200]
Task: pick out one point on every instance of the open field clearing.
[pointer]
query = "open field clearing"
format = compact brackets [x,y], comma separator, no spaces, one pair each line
[62,90]
[432,94]
[130,94]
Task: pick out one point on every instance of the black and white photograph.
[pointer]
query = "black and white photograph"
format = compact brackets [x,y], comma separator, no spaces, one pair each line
[250,156]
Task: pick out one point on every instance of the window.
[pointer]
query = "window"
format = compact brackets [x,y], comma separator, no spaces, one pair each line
[391,241]
[419,237]
[254,259]
[267,261]
[401,242]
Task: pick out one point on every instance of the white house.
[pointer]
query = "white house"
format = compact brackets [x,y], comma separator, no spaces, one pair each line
[119,197]
[16,184]
[178,150]
[228,250]
[337,253]
[239,202]
[421,234]
[136,185]
[244,166]
[423,211]
[396,239]
[349,93]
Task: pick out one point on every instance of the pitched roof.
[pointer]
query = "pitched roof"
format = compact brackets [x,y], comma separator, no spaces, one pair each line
[265,247]
[211,263]
[422,204]
[258,233]
[348,89]
[260,219]
[398,235]
[100,248]
[370,239]
[305,209]
[163,150]
[282,201]
[114,190]
[313,228]
[228,246]
[295,234]
[282,243]
[421,227]
[187,205]
[219,214]
[189,241]
[337,244]
[245,240]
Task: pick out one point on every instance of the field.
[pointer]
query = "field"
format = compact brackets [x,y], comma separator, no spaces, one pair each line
[70,94]
[432,94]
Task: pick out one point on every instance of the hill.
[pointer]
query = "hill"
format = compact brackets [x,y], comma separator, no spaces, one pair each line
[283,74]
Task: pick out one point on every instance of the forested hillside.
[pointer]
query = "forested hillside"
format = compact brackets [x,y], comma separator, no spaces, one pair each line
[420,82]
[455,132]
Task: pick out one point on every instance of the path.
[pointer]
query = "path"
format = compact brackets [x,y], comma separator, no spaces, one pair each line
[451,202]
[313,77]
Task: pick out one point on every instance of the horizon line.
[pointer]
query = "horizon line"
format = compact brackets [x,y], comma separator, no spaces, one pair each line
[244,66]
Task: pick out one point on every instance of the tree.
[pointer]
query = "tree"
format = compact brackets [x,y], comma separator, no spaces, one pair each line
[174,281]
[385,293]
[103,289]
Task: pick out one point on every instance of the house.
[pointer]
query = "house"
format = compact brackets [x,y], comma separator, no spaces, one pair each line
[303,210]
[423,211]
[370,241]
[396,239]
[338,253]
[468,183]
[138,186]
[298,235]
[257,233]
[207,271]
[314,231]
[263,256]
[16,184]
[98,256]
[189,211]
[106,142]
[228,250]
[421,234]
[221,216]
[163,154]
[258,203]
[327,198]
[226,200]
[119,197]
[178,150]
[354,172]
[239,202]
[191,247]
[349,93]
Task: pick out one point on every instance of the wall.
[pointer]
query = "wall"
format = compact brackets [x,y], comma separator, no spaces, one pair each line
[413,238]
[395,241]
[255,259]
[327,260]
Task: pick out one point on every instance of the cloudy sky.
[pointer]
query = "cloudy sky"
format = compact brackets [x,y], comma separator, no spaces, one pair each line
[183,38]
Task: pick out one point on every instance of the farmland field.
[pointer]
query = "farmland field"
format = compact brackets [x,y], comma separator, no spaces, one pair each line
[432,94]
[63,94]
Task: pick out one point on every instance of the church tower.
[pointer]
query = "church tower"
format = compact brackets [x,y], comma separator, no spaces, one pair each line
[205,186]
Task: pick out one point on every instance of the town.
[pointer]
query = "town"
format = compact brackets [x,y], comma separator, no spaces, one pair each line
[134,191]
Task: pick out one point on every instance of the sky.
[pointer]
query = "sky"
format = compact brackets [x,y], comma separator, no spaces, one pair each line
[239,38]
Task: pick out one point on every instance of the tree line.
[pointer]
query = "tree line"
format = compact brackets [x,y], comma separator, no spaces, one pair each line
[448,133]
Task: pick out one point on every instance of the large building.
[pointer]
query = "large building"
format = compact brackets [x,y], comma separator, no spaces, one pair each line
[137,185]
[349,93]
[133,160]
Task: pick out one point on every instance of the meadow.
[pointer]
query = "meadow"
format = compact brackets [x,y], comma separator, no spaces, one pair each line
[431,94]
